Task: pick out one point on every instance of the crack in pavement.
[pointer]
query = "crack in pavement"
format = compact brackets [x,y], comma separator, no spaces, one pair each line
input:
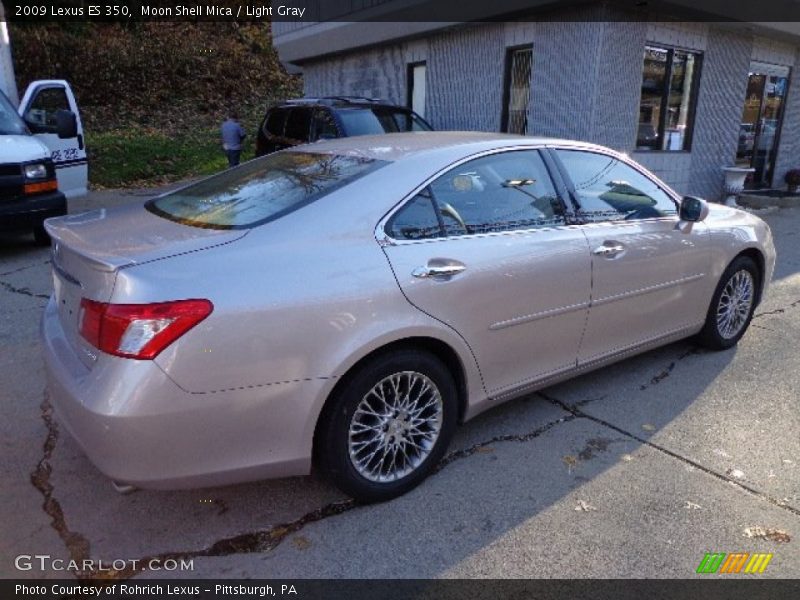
[522,437]
[76,544]
[777,311]
[25,268]
[663,374]
[263,540]
[24,291]
[590,400]
[708,471]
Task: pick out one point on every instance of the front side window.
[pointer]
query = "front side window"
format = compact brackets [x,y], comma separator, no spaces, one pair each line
[261,190]
[276,121]
[44,109]
[607,189]
[666,111]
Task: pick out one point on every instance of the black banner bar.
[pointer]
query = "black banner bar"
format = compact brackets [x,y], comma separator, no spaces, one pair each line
[711,588]
[310,11]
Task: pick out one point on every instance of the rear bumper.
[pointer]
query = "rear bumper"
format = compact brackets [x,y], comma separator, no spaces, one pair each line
[138,427]
[27,213]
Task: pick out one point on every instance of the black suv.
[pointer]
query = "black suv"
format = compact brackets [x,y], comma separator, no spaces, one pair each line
[310,119]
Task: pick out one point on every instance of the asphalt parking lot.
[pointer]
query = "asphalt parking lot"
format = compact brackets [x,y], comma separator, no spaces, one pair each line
[636,470]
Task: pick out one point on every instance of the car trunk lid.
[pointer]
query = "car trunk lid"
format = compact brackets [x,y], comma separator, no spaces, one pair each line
[89,249]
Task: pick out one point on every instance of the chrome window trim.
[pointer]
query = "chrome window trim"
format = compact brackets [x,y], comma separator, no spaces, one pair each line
[384,239]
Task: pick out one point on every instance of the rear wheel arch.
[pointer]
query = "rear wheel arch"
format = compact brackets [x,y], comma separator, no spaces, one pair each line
[441,350]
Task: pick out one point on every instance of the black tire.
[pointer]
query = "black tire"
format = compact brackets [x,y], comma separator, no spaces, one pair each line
[40,236]
[333,435]
[711,336]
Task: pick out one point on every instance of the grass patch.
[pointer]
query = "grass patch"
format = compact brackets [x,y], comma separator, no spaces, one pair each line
[139,157]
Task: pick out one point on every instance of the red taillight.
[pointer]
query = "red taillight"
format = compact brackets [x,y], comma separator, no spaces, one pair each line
[139,330]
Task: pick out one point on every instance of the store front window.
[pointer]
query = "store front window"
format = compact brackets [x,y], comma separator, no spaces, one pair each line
[669,88]
[761,121]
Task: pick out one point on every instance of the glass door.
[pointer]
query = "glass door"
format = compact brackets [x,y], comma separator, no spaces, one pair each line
[761,120]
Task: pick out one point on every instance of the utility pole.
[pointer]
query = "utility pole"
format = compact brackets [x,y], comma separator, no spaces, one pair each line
[7,82]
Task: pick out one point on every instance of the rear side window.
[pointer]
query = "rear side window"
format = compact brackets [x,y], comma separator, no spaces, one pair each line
[500,192]
[417,220]
[323,126]
[298,124]
[261,190]
[276,121]
[367,121]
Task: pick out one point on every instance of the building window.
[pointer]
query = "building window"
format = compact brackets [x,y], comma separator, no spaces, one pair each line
[416,87]
[517,93]
[669,89]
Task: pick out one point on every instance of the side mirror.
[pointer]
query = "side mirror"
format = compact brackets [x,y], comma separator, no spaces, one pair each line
[66,124]
[693,209]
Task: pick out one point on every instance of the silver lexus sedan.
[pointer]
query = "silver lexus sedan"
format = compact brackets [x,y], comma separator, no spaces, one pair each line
[346,304]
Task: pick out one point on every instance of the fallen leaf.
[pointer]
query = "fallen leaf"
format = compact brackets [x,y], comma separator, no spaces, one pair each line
[301,542]
[278,532]
[767,533]
[649,427]
[584,506]
[737,473]
[570,460]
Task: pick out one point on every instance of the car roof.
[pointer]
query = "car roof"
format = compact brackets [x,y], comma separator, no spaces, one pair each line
[396,146]
[340,102]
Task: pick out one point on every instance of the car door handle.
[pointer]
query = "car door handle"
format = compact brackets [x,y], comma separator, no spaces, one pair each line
[608,250]
[439,268]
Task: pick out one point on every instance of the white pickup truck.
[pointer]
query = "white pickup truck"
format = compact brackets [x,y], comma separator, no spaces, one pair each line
[42,157]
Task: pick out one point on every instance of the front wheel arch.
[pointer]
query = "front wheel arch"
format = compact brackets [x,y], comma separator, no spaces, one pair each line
[710,336]
[756,256]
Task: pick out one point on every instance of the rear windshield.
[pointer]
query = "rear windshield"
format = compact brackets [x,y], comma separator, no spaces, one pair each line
[368,121]
[261,190]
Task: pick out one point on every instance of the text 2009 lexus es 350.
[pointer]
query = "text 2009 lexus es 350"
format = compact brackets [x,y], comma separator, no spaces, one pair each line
[353,300]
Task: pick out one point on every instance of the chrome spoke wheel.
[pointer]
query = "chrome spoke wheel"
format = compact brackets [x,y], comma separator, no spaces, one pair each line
[735,303]
[395,426]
